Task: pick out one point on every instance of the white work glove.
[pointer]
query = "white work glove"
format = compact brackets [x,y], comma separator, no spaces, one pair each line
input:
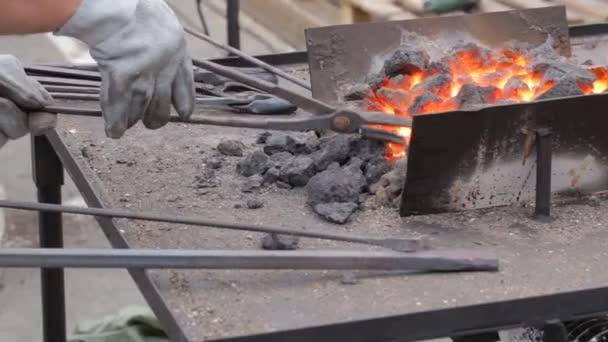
[19,94]
[141,50]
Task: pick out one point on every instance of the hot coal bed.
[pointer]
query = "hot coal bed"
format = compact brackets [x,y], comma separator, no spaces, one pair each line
[340,173]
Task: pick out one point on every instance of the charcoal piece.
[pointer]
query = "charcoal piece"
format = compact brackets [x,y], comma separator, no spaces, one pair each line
[206,179]
[254,163]
[298,171]
[231,148]
[366,149]
[406,60]
[437,84]
[568,86]
[438,67]
[278,142]
[261,139]
[474,54]
[400,81]
[515,86]
[281,158]
[337,149]
[357,92]
[252,183]
[336,185]
[390,186]
[421,103]
[376,168]
[471,95]
[395,97]
[495,77]
[305,143]
[272,175]
[506,102]
[355,162]
[214,162]
[254,203]
[275,242]
[335,212]
[556,70]
[375,81]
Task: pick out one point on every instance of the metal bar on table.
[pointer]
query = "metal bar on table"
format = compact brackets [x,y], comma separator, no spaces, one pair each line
[544,139]
[250,59]
[390,243]
[427,261]
[48,176]
[233,27]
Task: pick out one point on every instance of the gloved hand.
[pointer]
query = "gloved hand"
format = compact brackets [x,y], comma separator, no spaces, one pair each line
[18,94]
[140,47]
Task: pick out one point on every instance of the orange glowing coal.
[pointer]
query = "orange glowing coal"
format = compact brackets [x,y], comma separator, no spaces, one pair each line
[498,77]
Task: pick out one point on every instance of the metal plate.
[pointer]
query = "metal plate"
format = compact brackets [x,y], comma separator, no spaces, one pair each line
[476,159]
[343,55]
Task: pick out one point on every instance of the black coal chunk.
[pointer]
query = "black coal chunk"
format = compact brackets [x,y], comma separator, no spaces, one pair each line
[298,171]
[278,142]
[336,212]
[252,183]
[272,175]
[402,81]
[375,81]
[281,158]
[337,149]
[567,86]
[390,186]
[471,95]
[336,185]
[396,97]
[276,242]
[474,54]
[254,203]
[422,102]
[366,149]
[515,86]
[255,163]
[261,139]
[556,70]
[437,84]
[438,67]
[376,168]
[231,148]
[406,60]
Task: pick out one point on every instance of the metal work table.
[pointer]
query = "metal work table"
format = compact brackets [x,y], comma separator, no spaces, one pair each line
[155,170]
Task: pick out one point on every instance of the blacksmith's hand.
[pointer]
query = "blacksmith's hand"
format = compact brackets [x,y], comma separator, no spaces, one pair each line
[19,95]
[141,50]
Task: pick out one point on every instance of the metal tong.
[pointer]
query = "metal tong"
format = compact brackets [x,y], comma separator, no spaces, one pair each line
[326,116]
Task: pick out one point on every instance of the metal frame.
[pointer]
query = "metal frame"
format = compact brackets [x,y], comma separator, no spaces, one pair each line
[478,322]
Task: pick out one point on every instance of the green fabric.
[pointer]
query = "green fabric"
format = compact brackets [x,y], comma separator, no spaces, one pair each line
[131,324]
[441,6]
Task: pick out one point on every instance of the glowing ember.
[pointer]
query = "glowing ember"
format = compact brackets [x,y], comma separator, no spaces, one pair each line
[490,78]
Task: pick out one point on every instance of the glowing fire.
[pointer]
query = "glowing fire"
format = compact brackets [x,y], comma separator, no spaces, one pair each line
[507,74]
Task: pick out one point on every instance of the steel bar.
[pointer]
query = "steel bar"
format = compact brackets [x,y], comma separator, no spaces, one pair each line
[52,71]
[48,177]
[403,245]
[71,89]
[247,57]
[544,139]
[233,28]
[427,261]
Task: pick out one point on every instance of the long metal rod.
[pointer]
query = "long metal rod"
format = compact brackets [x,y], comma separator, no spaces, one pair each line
[429,261]
[395,244]
[48,177]
[247,57]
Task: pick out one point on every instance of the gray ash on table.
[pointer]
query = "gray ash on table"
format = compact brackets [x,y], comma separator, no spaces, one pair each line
[337,171]
[412,82]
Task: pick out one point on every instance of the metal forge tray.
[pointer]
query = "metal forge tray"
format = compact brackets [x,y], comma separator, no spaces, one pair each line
[548,270]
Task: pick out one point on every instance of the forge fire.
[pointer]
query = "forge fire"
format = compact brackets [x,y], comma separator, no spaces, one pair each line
[411,83]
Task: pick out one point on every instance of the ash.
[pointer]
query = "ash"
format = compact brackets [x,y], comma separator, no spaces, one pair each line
[337,172]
